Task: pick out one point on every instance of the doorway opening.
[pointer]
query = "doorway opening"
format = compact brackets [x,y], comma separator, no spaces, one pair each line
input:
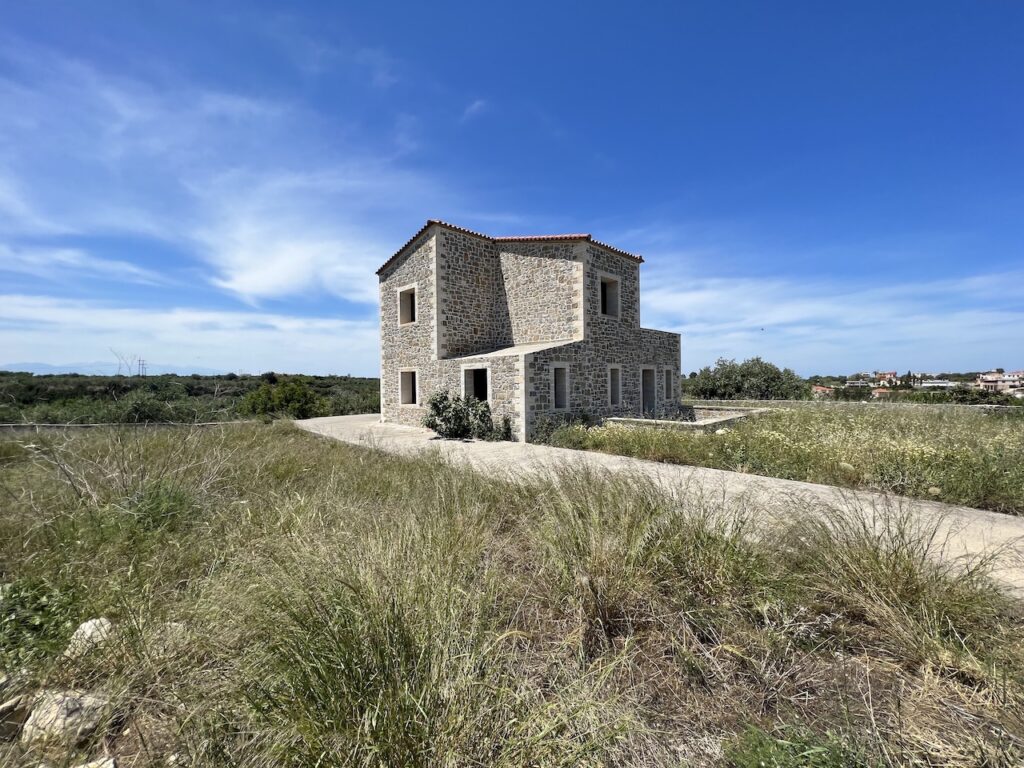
[475,383]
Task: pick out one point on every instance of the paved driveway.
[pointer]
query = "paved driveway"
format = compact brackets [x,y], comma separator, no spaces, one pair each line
[969,532]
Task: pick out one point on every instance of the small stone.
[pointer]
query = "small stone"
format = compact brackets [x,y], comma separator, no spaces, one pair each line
[722,431]
[934,490]
[103,762]
[13,714]
[89,636]
[67,716]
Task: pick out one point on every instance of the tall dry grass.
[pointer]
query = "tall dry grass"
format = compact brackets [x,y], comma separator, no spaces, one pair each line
[284,600]
[951,454]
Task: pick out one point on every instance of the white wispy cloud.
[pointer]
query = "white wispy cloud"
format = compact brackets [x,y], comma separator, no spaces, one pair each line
[474,109]
[53,330]
[249,186]
[72,263]
[830,325]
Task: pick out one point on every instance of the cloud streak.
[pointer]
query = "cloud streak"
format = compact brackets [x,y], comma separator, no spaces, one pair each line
[71,263]
[241,185]
[820,326]
[51,329]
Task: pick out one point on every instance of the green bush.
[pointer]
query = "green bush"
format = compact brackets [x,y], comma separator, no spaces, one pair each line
[293,398]
[457,418]
[753,379]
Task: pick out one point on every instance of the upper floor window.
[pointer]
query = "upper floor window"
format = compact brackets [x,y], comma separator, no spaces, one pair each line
[610,296]
[407,305]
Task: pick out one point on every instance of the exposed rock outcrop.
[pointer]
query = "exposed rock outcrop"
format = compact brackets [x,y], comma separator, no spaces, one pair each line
[67,716]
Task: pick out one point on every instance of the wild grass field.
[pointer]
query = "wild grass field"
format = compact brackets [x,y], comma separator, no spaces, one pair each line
[278,599]
[947,453]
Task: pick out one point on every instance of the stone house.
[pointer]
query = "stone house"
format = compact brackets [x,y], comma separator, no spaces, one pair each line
[540,327]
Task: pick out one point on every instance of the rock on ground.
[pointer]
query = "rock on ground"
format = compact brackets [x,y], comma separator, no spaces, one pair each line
[89,636]
[67,716]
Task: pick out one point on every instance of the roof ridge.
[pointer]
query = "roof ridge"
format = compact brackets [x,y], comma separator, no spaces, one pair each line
[506,238]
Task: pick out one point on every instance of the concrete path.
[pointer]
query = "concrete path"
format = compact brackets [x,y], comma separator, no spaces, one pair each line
[968,532]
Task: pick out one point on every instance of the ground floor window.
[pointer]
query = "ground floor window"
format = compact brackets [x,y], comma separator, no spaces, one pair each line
[560,387]
[614,386]
[475,383]
[648,391]
[407,385]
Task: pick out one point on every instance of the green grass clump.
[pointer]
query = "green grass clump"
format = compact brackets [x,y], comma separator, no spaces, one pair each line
[795,749]
[947,454]
[285,600]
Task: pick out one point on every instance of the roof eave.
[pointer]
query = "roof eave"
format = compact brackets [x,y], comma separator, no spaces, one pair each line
[525,238]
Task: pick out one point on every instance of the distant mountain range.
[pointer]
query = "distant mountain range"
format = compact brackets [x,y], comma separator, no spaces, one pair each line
[106,369]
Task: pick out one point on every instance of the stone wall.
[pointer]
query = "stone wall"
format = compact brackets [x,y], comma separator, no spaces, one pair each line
[407,346]
[542,282]
[608,341]
[473,312]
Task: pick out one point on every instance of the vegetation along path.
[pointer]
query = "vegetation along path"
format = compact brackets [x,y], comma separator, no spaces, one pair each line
[969,533]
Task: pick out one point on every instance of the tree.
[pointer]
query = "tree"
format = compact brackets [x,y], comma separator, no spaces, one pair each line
[753,379]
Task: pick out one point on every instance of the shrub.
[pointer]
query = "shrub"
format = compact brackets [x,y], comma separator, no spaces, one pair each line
[292,398]
[457,418]
[753,379]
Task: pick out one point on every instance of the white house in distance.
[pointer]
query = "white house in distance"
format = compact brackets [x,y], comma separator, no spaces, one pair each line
[539,325]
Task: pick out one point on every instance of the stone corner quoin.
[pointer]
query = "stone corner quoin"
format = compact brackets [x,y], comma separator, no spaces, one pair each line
[542,327]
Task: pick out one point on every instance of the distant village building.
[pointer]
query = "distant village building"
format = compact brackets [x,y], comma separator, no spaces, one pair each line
[1011,383]
[819,391]
[538,326]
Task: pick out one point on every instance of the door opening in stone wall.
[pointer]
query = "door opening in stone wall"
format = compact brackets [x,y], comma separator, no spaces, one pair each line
[474,384]
[647,391]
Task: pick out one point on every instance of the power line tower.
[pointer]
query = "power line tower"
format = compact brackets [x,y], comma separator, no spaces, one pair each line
[142,367]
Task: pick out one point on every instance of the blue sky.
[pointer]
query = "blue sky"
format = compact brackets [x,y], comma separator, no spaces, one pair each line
[834,187]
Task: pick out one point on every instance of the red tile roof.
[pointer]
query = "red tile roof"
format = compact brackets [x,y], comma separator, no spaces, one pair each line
[507,238]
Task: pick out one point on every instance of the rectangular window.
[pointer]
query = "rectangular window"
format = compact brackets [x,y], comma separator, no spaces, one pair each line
[615,386]
[648,393]
[474,383]
[560,384]
[407,306]
[609,297]
[408,386]
[670,376]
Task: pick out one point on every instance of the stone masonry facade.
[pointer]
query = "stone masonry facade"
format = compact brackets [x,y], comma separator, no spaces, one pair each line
[520,308]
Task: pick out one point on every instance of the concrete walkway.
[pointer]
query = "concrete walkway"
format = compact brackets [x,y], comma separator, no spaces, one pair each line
[968,532]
